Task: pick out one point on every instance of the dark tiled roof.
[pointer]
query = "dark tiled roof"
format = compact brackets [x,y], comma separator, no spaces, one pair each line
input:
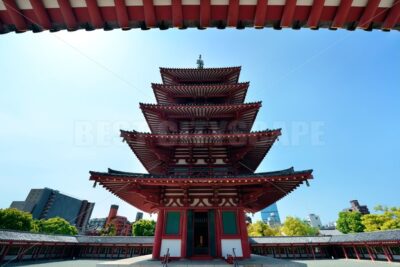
[6,235]
[116,239]
[289,239]
[34,237]
[289,171]
[390,235]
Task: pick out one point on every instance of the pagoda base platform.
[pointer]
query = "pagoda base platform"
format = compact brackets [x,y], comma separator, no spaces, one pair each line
[254,261]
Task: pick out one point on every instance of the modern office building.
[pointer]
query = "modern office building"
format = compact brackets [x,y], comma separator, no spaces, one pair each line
[122,226]
[314,221]
[139,216]
[355,206]
[270,215]
[48,203]
[121,223]
[95,225]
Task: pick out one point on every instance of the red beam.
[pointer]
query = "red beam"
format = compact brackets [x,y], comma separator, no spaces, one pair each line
[177,17]
[205,11]
[233,13]
[393,16]
[68,14]
[368,14]
[15,15]
[122,14]
[288,12]
[261,11]
[315,14]
[341,13]
[149,14]
[94,14]
[42,17]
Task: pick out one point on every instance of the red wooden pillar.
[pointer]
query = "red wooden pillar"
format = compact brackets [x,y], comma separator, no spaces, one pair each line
[158,234]
[38,252]
[243,234]
[345,253]
[4,254]
[218,232]
[312,251]
[64,250]
[184,233]
[370,253]
[21,252]
[356,252]
[387,254]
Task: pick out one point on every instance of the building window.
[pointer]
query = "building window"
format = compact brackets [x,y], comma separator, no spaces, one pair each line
[229,226]
[172,222]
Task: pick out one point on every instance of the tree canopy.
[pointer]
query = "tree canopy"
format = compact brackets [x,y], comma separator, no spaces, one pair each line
[260,228]
[387,219]
[55,225]
[143,228]
[349,222]
[296,227]
[109,230]
[14,219]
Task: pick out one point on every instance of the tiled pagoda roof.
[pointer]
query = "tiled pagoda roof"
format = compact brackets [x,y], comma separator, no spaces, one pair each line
[53,15]
[234,93]
[269,186]
[228,75]
[159,117]
[155,150]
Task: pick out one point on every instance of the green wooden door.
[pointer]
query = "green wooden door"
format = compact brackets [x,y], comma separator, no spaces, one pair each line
[190,233]
[211,229]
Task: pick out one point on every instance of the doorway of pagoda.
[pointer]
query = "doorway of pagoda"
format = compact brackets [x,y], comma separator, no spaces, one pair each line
[201,233]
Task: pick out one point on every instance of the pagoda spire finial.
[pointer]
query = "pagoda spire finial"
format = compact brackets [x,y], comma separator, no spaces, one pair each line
[200,63]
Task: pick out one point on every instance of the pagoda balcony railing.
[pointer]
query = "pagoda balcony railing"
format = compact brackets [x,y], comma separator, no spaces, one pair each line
[206,131]
[199,174]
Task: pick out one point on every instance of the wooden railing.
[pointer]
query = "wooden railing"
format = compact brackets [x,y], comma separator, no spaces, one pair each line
[235,263]
[164,262]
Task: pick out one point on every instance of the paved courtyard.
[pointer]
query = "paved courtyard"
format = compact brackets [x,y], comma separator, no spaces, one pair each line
[255,261]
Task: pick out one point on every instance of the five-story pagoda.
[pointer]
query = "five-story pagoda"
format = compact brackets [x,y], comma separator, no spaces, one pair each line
[201,158]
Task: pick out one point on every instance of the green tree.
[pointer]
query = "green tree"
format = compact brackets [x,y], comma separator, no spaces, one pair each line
[296,227]
[260,228]
[55,225]
[143,228]
[349,222]
[14,219]
[36,226]
[109,230]
[387,219]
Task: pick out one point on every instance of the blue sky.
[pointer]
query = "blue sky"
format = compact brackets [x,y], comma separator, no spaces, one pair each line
[336,95]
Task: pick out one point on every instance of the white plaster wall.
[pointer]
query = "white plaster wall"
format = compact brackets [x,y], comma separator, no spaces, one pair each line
[174,246]
[228,244]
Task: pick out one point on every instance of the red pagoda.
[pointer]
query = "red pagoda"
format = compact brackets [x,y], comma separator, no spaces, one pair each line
[201,158]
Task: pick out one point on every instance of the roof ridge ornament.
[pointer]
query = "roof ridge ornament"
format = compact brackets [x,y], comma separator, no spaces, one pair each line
[200,63]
